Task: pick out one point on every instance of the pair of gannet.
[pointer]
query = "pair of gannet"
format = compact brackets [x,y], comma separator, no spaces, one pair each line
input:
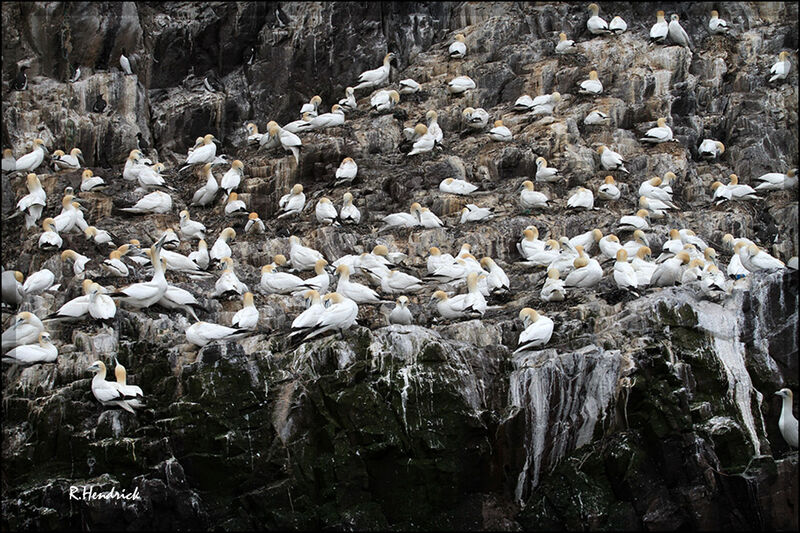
[541,105]
[591,86]
[470,304]
[670,271]
[376,77]
[404,220]
[25,329]
[598,26]
[755,259]
[312,107]
[329,120]
[734,191]
[338,313]
[425,141]
[115,392]
[73,161]
[292,203]
[94,302]
[587,272]
[205,153]
[145,294]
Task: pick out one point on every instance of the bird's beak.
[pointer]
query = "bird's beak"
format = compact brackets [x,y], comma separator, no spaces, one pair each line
[160,242]
[80,158]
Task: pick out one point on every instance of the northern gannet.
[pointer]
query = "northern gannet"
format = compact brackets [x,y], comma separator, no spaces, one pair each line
[591,86]
[473,213]
[348,103]
[530,242]
[204,153]
[500,133]
[340,313]
[321,281]
[624,274]
[141,295]
[302,257]
[611,160]
[617,25]
[460,85]
[346,172]
[543,256]
[595,24]
[660,134]
[101,306]
[247,316]
[676,32]
[553,289]
[787,423]
[583,197]
[253,137]
[404,220]
[9,162]
[309,317]
[134,165]
[108,392]
[38,282]
[544,104]
[779,71]
[587,239]
[530,199]
[99,236]
[202,333]
[125,63]
[711,149]
[34,202]
[565,46]
[639,241]
[396,281]
[608,190]
[288,140]
[254,224]
[477,119]
[427,219]
[776,181]
[73,161]
[660,30]
[596,117]
[205,194]
[228,283]
[425,141]
[31,161]
[292,203]
[200,257]
[538,330]
[191,229]
[78,261]
[545,173]
[609,245]
[716,24]
[78,307]
[355,291]
[433,126]
[234,206]
[312,107]
[50,239]
[155,202]
[755,259]
[670,271]
[325,211]
[436,259]
[458,48]
[564,261]
[652,190]
[114,265]
[644,269]
[587,273]
[30,354]
[401,314]
[634,222]
[408,86]
[383,101]
[376,77]
[329,120]
[349,213]
[25,330]
[497,281]
[271,139]
[457,186]
[220,248]
[232,178]
[171,239]
[91,183]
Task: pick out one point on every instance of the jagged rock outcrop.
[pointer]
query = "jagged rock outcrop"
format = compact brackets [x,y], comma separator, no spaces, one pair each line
[653,411]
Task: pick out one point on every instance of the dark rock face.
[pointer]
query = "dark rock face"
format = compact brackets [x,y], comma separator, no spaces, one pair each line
[651,412]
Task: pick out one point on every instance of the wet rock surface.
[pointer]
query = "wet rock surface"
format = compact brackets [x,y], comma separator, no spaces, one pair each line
[649,412]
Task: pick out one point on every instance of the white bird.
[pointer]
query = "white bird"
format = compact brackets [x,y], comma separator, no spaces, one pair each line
[349,213]
[254,224]
[538,330]
[346,172]
[78,307]
[787,423]
[689,237]
[644,269]
[586,240]
[114,265]
[141,295]
[659,134]
[50,239]
[321,281]
[471,304]
[401,314]
[779,70]
[500,133]
[247,316]
[383,101]
[355,291]
[408,86]
[125,63]
[396,281]
[30,354]
[68,218]
[404,220]
[609,245]
[716,24]
[312,107]
[38,282]
[530,242]
[99,236]
[608,190]
[544,104]
[91,183]
[564,261]
[460,85]
[458,48]
[348,103]
[228,283]
[427,219]
[565,46]
[583,197]
[425,141]
[203,154]
[101,306]
[133,392]
[596,25]
[149,177]
[292,203]
[288,140]
[220,248]
[660,30]
[205,194]
[200,256]
[545,173]
[325,211]
[611,160]
[543,256]
[639,241]
[624,274]
[376,77]
[25,330]
[298,126]
[457,186]
[530,199]
[776,181]
[652,190]
[34,202]
[78,261]
[677,34]
[202,333]
[109,392]
[591,86]
[72,161]
[232,178]
[755,259]
[737,191]
[155,202]
[670,271]
[587,273]
[497,280]
[9,163]
[179,262]
[711,149]
[525,102]
[234,206]
[302,257]
[433,126]
[191,229]
[617,25]
[253,137]
[436,259]
[634,222]
[340,313]
[553,289]
[596,117]
[31,161]
[329,120]
[309,317]
[134,165]
[473,213]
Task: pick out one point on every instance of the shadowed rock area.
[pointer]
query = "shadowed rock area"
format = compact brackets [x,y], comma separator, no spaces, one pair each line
[646,410]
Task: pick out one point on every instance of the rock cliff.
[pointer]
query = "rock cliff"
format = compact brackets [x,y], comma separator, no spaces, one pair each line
[653,412]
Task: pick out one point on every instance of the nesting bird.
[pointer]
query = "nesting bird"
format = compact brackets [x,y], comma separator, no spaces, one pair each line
[377,77]
[596,25]
[779,70]
[460,85]
[458,48]
[591,86]
[716,24]
[565,46]
[660,134]
[660,30]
